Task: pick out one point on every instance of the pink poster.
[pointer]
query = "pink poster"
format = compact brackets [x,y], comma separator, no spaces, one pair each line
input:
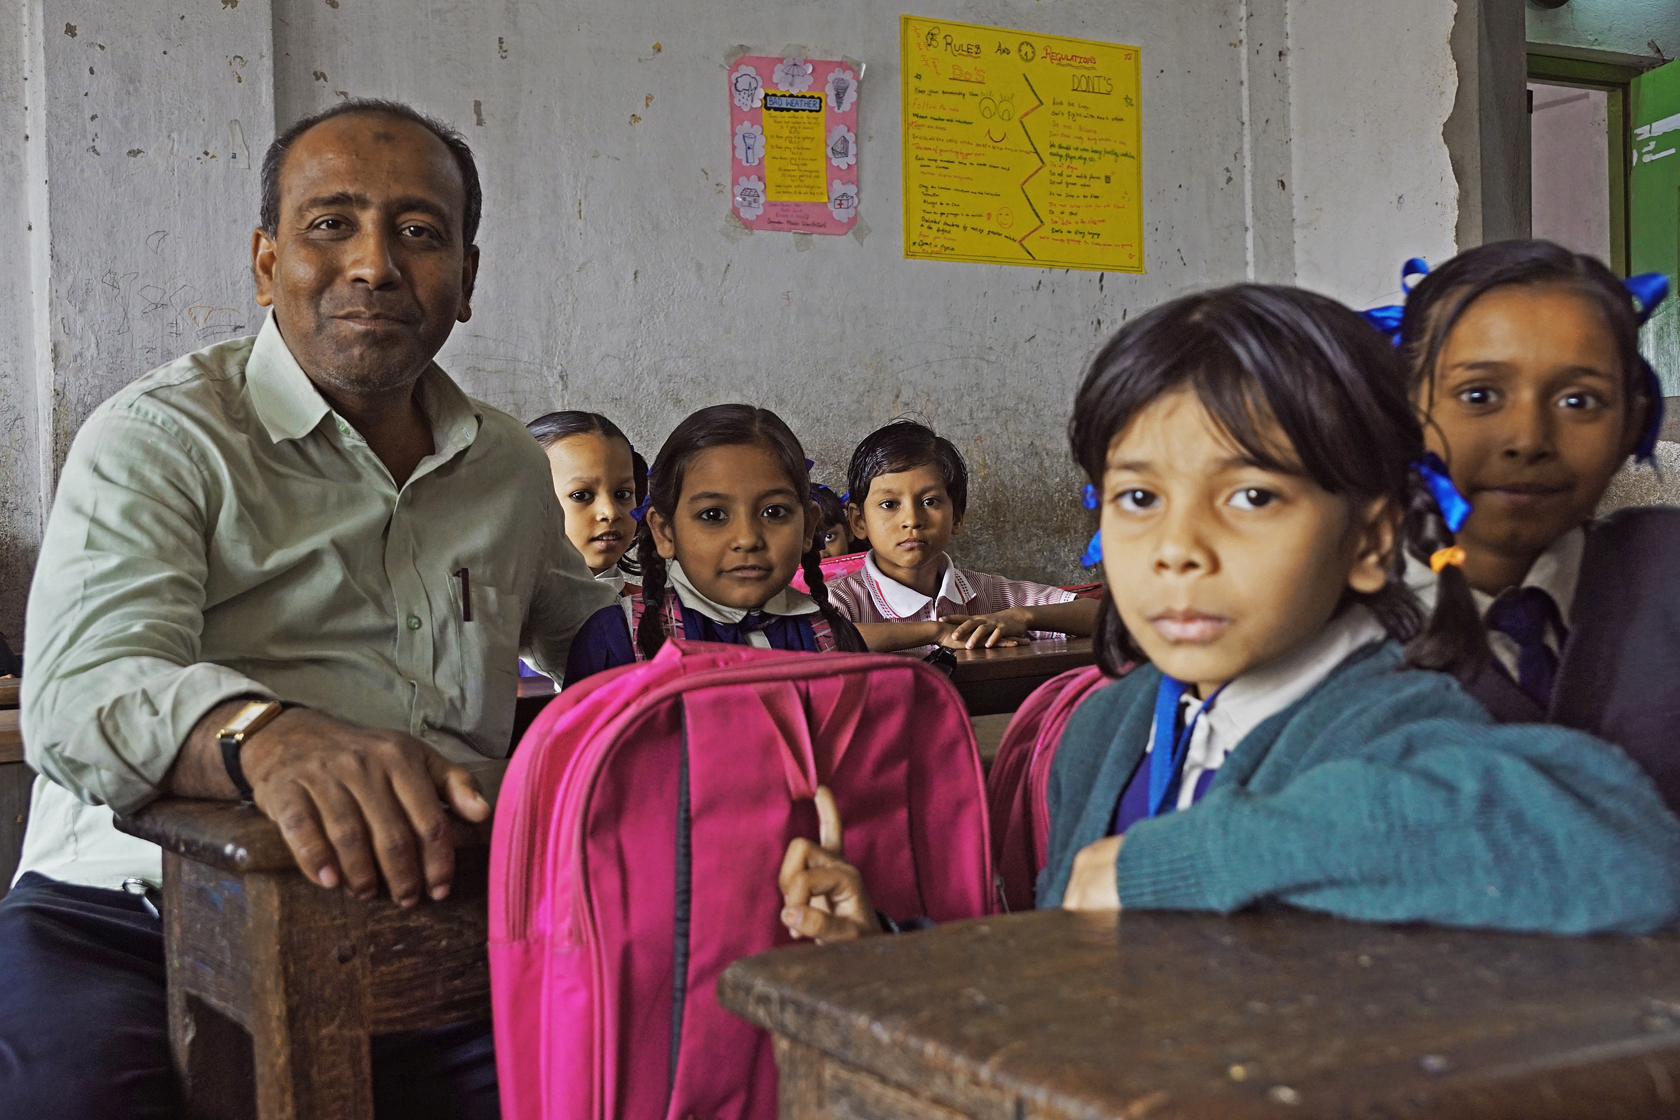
[793,139]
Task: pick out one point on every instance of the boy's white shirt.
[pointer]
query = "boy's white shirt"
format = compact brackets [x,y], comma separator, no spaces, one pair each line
[1256,696]
[787,601]
[906,602]
[1555,571]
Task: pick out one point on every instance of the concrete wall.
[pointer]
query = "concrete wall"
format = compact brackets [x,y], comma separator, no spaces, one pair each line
[1641,32]
[20,488]
[1275,146]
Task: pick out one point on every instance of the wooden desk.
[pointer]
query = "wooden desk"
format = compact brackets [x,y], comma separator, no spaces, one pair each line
[11,690]
[1053,1014]
[276,985]
[993,681]
[16,780]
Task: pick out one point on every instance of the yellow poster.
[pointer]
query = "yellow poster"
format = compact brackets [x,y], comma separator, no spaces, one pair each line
[1020,148]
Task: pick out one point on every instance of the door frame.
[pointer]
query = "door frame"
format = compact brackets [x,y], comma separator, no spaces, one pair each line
[1613,79]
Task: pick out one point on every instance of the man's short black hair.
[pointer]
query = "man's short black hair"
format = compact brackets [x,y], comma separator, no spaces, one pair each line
[370,106]
[905,445]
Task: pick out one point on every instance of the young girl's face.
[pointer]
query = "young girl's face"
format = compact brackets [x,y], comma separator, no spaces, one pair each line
[740,527]
[1216,564]
[908,520]
[1529,409]
[597,489]
[832,541]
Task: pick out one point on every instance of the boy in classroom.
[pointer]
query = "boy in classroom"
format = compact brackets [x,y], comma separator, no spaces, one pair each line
[1259,466]
[727,521]
[908,494]
[1523,357]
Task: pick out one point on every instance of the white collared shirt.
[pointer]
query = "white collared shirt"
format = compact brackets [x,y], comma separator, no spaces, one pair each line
[787,601]
[1257,695]
[897,600]
[1555,571]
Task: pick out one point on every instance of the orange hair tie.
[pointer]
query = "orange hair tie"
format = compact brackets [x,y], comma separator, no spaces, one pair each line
[1441,557]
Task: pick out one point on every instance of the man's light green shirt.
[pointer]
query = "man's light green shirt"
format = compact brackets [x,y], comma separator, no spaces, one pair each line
[220,531]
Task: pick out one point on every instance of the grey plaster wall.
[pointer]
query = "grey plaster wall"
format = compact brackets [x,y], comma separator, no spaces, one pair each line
[1638,31]
[1273,147]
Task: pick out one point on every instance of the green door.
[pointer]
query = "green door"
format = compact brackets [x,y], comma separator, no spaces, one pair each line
[1654,208]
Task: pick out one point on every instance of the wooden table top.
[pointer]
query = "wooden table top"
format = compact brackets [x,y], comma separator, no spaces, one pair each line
[1044,658]
[237,837]
[1053,1014]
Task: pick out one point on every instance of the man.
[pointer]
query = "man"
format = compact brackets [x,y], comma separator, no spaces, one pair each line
[316,516]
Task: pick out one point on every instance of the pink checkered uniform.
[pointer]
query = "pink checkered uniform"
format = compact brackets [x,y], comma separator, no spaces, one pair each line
[868,595]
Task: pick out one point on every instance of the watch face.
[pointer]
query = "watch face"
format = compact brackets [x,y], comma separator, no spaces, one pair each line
[245,717]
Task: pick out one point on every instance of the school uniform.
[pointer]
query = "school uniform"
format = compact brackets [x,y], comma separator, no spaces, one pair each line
[791,620]
[1378,793]
[869,595]
[622,586]
[1601,651]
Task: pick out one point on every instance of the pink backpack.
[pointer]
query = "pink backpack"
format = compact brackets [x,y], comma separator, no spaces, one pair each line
[638,835]
[1017,789]
[833,568]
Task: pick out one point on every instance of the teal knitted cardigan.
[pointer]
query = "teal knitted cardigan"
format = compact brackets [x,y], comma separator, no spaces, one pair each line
[1385,794]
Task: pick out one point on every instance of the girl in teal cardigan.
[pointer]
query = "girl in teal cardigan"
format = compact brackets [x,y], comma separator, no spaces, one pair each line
[1258,468]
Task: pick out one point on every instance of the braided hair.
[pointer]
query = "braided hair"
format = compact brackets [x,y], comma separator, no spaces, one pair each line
[723,425]
[552,427]
[1258,356]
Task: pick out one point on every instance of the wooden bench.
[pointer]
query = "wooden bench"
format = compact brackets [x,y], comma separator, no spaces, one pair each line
[16,780]
[1161,1015]
[276,985]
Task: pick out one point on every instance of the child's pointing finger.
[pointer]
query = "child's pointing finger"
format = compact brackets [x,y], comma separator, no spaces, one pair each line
[829,835]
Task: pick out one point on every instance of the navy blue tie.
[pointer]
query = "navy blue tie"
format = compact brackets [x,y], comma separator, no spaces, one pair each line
[1524,615]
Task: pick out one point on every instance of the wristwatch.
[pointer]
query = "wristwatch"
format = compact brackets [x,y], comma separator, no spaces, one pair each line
[252,718]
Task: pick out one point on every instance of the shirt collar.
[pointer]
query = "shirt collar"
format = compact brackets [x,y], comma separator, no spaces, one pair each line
[1555,571]
[613,577]
[1257,695]
[290,407]
[787,601]
[894,600]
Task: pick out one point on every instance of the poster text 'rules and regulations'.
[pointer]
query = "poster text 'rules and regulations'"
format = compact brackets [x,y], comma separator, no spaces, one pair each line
[1021,148]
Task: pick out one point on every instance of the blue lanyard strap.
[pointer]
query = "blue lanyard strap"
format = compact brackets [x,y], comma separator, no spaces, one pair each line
[1166,756]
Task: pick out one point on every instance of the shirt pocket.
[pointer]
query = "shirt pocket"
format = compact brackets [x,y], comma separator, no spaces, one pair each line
[487,645]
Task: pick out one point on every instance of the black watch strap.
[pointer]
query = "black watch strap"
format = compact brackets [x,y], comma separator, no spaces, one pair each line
[235,772]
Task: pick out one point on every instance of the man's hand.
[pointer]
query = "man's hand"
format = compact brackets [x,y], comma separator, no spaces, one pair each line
[822,895]
[353,804]
[985,631]
[1093,884]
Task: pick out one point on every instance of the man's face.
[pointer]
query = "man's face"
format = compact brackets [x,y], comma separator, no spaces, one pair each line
[366,270]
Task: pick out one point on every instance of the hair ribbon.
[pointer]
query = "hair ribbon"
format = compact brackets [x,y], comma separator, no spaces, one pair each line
[641,511]
[1648,290]
[1387,319]
[1455,510]
[1092,556]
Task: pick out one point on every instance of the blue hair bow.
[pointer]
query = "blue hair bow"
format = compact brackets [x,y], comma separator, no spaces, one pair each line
[1648,289]
[1092,556]
[641,511]
[1455,510]
[1388,319]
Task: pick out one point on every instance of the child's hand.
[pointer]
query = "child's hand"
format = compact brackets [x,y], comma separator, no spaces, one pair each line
[822,895]
[989,631]
[1093,885]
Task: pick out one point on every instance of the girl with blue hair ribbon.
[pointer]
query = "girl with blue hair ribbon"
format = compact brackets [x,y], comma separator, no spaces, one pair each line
[1260,471]
[1523,359]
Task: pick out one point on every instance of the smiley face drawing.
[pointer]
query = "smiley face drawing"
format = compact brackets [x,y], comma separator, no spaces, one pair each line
[1001,109]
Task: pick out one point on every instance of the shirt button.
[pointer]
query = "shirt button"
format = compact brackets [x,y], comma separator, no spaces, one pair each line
[414,622]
